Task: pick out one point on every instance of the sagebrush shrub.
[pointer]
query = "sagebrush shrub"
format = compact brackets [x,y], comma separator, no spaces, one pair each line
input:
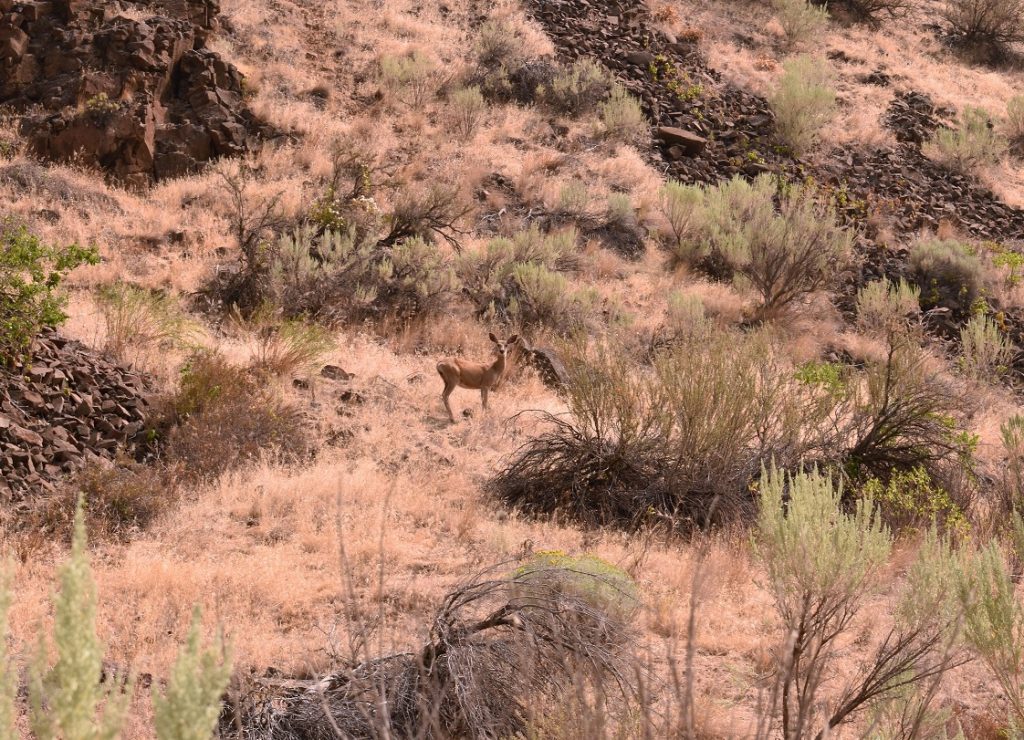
[286,347]
[883,306]
[870,10]
[948,273]
[911,499]
[579,88]
[686,315]
[801,20]
[468,109]
[622,118]
[8,674]
[803,102]
[409,77]
[782,253]
[973,143]
[499,44]
[985,352]
[574,199]
[30,277]
[1015,120]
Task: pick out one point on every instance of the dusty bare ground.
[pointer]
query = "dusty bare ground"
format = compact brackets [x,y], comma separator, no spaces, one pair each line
[397,502]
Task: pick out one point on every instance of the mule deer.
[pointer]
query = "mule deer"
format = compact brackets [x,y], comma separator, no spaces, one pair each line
[475,375]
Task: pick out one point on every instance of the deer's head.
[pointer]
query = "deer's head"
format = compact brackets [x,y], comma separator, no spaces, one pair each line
[502,346]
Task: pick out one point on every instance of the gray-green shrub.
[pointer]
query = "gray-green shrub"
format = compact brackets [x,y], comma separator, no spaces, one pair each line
[803,102]
[973,143]
[622,118]
[984,351]
[800,19]
[948,273]
[784,253]
[409,77]
[579,88]
[884,306]
[468,109]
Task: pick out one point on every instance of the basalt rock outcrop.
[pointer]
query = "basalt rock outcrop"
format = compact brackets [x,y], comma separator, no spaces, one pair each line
[129,87]
[63,408]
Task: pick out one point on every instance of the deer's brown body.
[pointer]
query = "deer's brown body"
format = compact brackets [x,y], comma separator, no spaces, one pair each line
[480,376]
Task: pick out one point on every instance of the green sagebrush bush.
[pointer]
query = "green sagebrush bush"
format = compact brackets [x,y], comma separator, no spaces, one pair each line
[803,102]
[823,560]
[74,701]
[782,252]
[136,320]
[973,143]
[801,20]
[984,351]
[578,88]
[884,307]
[30,276]
[948,274]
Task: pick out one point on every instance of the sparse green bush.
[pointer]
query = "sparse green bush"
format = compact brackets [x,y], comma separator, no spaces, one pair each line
[885,307]
[30,278]
[71,700]
[603,585]
[619,210]
[686,315]
[1015,121]
[948,273]
[622,117]
[574,199]
[821,562]
[578,89]
[468,109]
[801,20]
[973,143]
[409,77]
[286,347]
[784,254]
[542,296]
[1012,436]
[137,320]
[984,351]
[994,622]
[499,44]
[803,102]
[986,25]
[191,705]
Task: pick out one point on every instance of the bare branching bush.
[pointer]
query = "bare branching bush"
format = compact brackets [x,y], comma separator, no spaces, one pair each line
[502,653]
[948,273]
[136,321]
[425,213]
[579,88]
[221,416]
[803,102]
[622,118]
[783,253]
[801,20]
[985,352]
[986,26]
[972,144]
[870,11]
[410,77]
[676,445]
[823,560]
[884,307]
[468,110]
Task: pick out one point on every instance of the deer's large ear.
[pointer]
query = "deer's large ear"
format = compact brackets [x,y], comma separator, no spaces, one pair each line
[493,338]
[513,339]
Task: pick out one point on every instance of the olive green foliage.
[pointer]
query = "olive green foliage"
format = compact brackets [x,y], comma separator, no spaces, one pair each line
[136,320]
[973,143]
[574,199]
[687,316]
[285,347]
[622,118]
[30,277]
[409,77]
[801,21]
[1012,435]
[803,102]
[911,499]
[603,585]
[189,707]
[521,279]
[984,352]
[70,700]
[948,273]
[783,253]
[884,307]
[578,89]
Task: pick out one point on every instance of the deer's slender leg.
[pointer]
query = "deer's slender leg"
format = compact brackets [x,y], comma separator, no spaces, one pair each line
[483,397]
